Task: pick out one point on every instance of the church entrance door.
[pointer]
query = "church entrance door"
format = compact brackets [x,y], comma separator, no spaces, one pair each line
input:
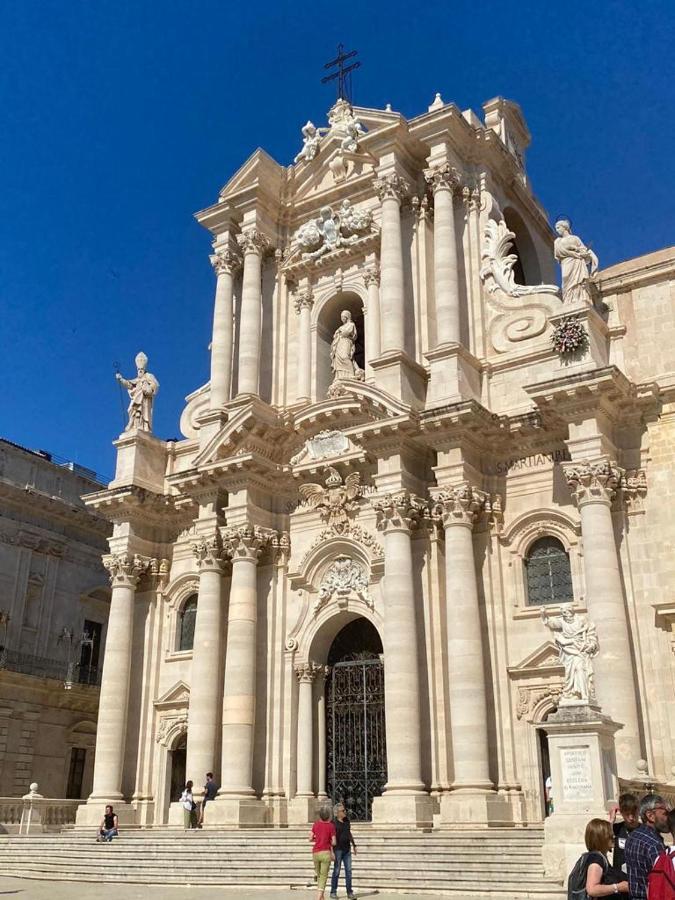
[177,756]
[355,726]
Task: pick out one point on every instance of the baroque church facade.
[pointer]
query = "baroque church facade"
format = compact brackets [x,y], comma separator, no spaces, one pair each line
[413,454]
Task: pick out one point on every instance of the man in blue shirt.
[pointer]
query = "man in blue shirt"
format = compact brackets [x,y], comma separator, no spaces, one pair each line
[645,843]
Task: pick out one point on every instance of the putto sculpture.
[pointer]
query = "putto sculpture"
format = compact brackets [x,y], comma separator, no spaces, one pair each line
[577,641]
[142,391]
[577,262]
[311,140]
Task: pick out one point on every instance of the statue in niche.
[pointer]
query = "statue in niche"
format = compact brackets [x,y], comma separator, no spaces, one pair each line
[577,641]
[342,350]
[311,139]
[577,262]
[142,391]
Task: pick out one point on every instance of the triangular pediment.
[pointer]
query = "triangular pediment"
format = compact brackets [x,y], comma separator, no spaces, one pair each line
[259,171]
[545,660]
[177,696]
[328,173]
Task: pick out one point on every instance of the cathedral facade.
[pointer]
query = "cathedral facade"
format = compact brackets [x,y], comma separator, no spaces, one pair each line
[423,499]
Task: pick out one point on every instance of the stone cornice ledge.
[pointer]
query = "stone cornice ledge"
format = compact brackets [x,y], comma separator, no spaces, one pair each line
[124,503]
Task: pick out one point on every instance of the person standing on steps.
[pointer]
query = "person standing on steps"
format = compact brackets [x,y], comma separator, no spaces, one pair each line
[210,791]
[109,826]
[188,803]
[344,844]
[322,837]
[629,807]
[644,844]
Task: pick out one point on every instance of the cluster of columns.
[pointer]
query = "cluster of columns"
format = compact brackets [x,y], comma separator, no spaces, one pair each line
[226,261]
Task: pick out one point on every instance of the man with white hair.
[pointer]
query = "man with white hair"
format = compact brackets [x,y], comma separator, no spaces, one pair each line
[344,844]
[645,843]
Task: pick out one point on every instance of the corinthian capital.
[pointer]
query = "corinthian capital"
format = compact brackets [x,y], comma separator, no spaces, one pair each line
[253,241]
[308,671]
[246,541]
[125,570]
[371,276]
[592,482]
[208,553]
[225,262]
[391,187]
[398,512]
[303,300]
[458,505]
[442,178]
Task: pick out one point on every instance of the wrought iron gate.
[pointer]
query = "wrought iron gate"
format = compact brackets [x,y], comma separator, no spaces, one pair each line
[356,744]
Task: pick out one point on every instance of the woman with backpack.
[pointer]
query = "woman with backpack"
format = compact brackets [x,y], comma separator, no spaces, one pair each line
[593,876]
[188,804]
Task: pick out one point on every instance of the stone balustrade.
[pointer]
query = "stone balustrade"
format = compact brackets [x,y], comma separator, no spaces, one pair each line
[34,813]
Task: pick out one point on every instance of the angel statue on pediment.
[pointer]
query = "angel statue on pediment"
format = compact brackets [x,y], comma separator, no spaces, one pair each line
[311,139]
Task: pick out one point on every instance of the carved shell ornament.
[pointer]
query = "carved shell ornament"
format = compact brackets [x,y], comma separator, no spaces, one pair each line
[498,263]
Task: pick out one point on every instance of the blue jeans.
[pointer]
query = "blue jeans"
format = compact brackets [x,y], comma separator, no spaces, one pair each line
[108,834]
[341,856]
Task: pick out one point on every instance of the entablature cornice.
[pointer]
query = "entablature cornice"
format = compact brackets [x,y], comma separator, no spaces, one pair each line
[465,422]
[137,504]
[53,508]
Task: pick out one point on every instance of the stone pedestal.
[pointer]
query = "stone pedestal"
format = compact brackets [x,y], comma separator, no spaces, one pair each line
[399,375]
[141,461]
[210,423]
[584,782]
[454,375]
[403,810]
[597,354]
[237,812]
[303,810]
[33,811]
[89,814]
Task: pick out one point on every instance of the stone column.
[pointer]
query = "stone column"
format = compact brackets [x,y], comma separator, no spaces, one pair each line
[391,190]
[372,318]
[245,544]
[306,673]
[456,508]
[253,243]
[321,729]
[444,180]
[593,486]
[224,263]
[303,303]
[396,516]
[111,729]
[205,697]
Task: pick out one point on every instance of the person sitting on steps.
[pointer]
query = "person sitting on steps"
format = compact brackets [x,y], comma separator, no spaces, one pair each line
[109,827]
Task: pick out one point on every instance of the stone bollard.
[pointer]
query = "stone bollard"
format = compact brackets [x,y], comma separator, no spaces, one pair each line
[33,810]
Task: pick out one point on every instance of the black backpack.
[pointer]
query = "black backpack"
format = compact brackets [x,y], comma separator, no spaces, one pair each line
[576,882]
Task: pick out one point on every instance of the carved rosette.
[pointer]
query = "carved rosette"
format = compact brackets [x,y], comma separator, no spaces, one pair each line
[371,276]
[303,300]
[391,187]
[442,178]
[593,482]
[458,505]
[253,241]
[307,672]
[398,512]
[225,262]
[208,553]
[125,570]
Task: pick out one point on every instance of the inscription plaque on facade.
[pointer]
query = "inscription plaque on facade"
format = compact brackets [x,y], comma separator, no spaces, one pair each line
[575,766]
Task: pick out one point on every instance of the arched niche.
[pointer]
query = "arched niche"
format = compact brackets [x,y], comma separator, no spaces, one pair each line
[526,268]
[328,319]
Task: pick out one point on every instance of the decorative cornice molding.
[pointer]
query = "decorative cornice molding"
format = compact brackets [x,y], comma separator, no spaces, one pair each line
[592,482]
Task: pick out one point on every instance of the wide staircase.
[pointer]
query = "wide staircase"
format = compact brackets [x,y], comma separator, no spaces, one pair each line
[494,863]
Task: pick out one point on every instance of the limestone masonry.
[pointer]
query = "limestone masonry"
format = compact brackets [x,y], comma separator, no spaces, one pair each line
[416,549]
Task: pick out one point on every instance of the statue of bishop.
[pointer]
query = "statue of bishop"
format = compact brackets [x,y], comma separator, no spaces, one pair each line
[142,391]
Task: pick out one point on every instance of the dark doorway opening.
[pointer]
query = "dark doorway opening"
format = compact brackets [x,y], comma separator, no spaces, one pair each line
[545,769]
[78,756]
[177,769]
[356,763]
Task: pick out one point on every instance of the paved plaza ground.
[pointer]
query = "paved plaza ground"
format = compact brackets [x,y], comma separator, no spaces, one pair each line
[28,889]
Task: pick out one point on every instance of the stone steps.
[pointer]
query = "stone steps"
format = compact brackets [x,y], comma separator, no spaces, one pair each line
[499,864]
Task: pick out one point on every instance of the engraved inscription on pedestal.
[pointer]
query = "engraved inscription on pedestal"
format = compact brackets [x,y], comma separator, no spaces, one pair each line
[575,767]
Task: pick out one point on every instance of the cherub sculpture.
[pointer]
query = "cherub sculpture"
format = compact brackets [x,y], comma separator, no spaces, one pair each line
[336,499]
[311,139]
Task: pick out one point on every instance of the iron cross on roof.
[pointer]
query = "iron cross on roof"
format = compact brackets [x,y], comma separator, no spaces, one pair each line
[344,83]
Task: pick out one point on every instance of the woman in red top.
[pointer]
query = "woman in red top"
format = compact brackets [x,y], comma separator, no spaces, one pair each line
[322,836]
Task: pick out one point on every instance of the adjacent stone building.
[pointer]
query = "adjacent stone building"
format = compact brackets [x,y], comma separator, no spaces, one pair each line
[54,602]
[410,445]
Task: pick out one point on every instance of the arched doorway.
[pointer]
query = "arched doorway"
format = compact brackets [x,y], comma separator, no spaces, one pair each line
[329,320]
[356,757]
[177,767]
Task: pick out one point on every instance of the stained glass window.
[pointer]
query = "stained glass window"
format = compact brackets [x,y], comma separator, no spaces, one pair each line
[549,578]
[187,624]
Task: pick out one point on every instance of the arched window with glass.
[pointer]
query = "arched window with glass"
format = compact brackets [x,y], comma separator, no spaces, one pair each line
[548,573]
[186,623]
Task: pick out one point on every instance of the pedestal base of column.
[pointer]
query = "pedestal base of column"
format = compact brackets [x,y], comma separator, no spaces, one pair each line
[237,812]
[404,810]
[210,423]
[141,461]
[564,840]
[145,812]
[399,375]
[302,810]
[473,807]
[89,814]
[455,375]
[596,355]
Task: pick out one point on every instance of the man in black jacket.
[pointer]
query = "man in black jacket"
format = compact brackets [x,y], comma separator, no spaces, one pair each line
[344,845]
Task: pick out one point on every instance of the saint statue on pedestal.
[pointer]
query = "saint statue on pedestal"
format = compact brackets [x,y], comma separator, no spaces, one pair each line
[142,391]
[577,262]
[577,641]
[342,350]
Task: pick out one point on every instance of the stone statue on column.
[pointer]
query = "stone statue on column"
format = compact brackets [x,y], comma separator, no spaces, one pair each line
[577,262]
[577,641]
[142,391]
[342,350]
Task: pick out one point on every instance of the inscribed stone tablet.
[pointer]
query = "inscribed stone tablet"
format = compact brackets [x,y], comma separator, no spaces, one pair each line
[575,764]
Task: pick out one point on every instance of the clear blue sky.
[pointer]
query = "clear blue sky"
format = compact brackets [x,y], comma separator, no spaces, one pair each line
[119,119]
